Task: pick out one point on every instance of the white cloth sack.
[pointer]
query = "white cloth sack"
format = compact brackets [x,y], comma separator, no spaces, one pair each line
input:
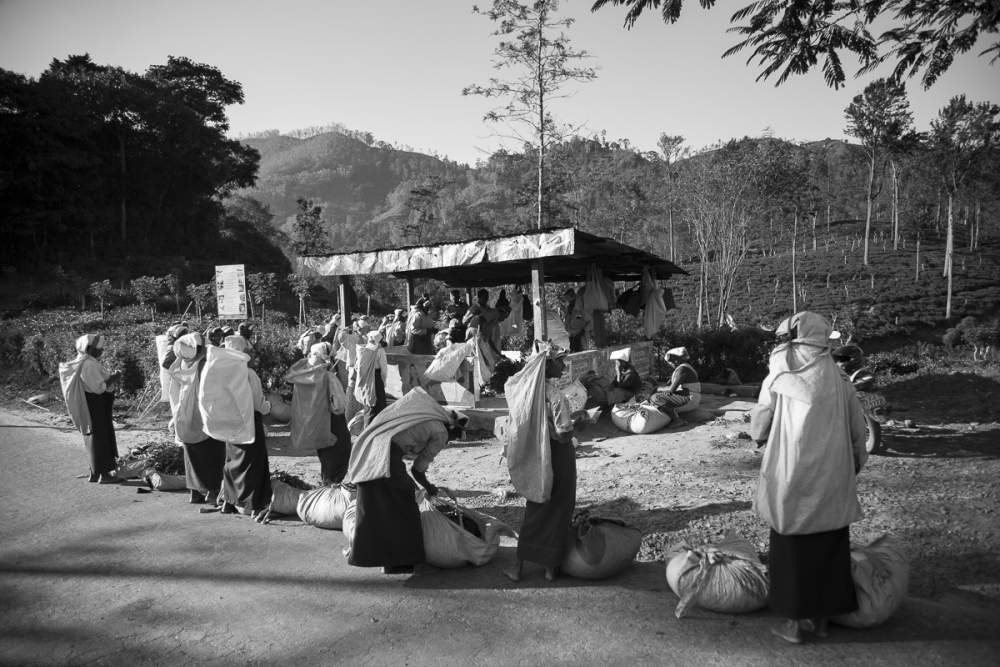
[529,457]
[324,507]
[188,426]
[310,418]
[446,544]
[726,577]
[446,362]
[73,394]
[162,347]
[881,576]
[225,400]
[284,498]
[600,548]
[638,418]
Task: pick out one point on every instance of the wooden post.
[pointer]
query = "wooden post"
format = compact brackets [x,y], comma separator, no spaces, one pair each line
[411,293]
[345,304]
[538,300]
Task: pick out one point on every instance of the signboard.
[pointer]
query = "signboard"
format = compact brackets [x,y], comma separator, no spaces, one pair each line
[231,291]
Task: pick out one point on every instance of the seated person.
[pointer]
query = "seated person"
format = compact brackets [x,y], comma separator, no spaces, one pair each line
[683,394]
[626,381]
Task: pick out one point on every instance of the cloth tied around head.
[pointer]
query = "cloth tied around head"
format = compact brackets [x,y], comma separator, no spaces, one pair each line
[625,354]
[89,340]
[319,353]
[679,352]
[186,347]
[238,343]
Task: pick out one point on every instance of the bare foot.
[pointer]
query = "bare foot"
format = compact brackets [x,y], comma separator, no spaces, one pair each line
[515,574]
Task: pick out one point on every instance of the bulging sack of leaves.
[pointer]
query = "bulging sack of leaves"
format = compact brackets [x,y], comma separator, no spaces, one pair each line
[324,507]
[285,498]
[726,577]
[350,523]
[638,418]
[164,482]
[281,410]
[881,576]
[447,545]
[600,548]
[133,469]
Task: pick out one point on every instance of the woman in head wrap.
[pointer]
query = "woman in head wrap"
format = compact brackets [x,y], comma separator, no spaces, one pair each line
[89,392]
[246,479]
[317,393]
[370,373]
[683,394]
[811,419]
[204,456]
[548,510]
[420,329]
[305,342]
[388,532]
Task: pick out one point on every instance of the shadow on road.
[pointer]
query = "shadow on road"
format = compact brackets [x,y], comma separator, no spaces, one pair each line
[943,442]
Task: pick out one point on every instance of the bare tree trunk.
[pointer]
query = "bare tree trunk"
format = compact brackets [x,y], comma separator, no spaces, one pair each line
[949,247]
[916,269]
[895,207]
[541,117]
[868,214]
[670,228]
[795,231]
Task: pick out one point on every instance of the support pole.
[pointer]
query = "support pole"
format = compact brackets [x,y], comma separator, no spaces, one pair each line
[538,300]
[345,304]
[411,293]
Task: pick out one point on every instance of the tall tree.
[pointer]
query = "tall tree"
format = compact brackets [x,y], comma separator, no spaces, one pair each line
[791,36]
[880,118]
[541,61]
[672,147]
[961,137]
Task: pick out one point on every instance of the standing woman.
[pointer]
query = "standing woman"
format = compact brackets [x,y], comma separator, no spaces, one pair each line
[387,530]
[370,373]
[542,461]
[89,392]
[812,421]
[316,394]
[246,477]
[204,457]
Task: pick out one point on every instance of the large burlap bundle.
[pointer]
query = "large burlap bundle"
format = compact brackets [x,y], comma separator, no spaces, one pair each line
[324,507]
[881,576]
[638,418]
[446,544]
[600,548]
[284,498]
[726,577]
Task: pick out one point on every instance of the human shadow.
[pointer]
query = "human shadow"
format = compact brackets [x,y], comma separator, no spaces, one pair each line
[942,442]
[945,398]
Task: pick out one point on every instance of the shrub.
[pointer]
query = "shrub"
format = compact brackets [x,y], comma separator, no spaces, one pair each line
[892,363]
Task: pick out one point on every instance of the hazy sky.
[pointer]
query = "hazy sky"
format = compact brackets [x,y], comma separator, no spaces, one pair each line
[396,69]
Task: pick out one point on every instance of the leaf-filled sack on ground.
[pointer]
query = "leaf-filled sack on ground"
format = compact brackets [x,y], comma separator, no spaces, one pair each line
[324,507]
[600,548]
[638,418]
[281,410]
[446,544]
[881,575]
[165,482]
[285,498]
[350,523]
[726,577]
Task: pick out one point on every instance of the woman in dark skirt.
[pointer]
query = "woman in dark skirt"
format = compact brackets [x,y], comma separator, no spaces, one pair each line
[247,473]
[89,392]
[545,531]
[811,420]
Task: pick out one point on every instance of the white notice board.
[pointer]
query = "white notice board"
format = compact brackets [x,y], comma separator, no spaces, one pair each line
[231,291]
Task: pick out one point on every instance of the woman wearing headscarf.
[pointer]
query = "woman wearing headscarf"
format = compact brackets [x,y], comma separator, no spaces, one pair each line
[246,478]
[369,376]
[683,394]
[541,461]
[387,529]
[813,424]
[316,394]
[89,392]
[204,456]
[420,329]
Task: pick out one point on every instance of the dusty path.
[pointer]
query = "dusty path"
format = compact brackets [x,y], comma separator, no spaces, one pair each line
[103,575]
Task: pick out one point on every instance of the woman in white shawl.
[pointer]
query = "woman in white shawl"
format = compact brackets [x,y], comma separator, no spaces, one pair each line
[204,457]
[316,394]
[371,368]
[89,392]
[246,477]
[813,424]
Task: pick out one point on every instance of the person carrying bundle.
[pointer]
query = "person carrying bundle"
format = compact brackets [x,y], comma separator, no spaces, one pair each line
[317,393]
[683,394]
[88,389]
[388,532]
[204,456]
[370,373]
[542,461]
[814,428]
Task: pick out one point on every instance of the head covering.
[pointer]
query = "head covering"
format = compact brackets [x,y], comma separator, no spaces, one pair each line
[319,353]
[556,352]
[809,340]
[228,331]
[440,338]
[625,354]
[399,312]
[89,340]
[238,343]
[214,335]
[177,330]
[374,337]
[362,323]
[679,352]
[186,347]
[307,340]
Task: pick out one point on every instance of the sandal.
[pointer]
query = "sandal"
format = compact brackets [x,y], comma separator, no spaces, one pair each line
[789,631]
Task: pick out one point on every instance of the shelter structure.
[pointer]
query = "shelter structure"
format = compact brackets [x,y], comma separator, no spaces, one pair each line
[560,255]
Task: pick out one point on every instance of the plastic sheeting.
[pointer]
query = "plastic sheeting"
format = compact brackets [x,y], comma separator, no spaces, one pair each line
[310,406]
[529,457]
[73,393]
[224,397]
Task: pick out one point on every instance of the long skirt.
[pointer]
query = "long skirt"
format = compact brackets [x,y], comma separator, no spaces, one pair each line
[811,574]
[388,531]
[203,465]
[101,444]
[333,460]
[371,412]
[546,529]
[246,478]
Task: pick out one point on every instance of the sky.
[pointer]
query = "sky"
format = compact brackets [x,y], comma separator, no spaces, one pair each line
[397,69]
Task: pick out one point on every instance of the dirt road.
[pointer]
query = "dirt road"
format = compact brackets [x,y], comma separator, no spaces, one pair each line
[95,574]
